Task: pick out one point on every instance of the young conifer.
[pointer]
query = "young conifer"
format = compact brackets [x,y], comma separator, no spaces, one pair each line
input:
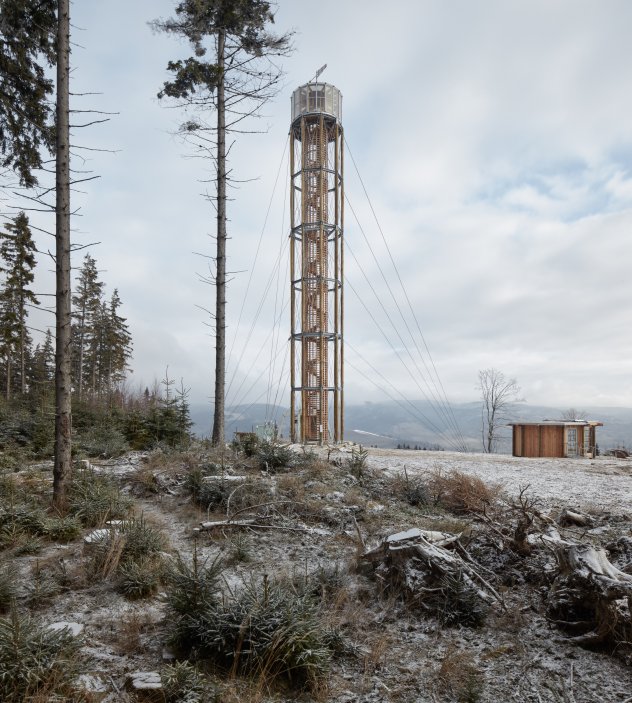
[17,261]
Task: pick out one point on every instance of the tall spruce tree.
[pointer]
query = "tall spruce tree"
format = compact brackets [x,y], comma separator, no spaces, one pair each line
[236,79]
[43,372]
[117,345]
[32,33]
[102,342]
[87,301]
[17,261]
[27,41]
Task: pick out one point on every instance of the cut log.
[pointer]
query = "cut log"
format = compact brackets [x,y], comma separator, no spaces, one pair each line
[590,597]
[417,565]
[569,517]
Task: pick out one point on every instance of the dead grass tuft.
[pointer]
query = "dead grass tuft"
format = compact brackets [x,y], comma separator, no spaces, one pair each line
[459,676]
[462,493]
[132,628]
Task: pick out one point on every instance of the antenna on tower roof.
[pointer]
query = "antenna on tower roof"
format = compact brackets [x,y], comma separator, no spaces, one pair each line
[320,70]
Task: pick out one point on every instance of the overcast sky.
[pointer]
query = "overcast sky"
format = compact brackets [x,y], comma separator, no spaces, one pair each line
[494,139]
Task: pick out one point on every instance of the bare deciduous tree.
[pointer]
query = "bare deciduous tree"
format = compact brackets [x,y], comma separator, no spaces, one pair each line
[571,414]
[498,394]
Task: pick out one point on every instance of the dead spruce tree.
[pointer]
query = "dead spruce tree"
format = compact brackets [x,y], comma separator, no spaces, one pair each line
[63,384]
[236,79]
[33,32]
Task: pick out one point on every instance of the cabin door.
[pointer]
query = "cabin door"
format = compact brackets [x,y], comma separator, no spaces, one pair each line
[571,441]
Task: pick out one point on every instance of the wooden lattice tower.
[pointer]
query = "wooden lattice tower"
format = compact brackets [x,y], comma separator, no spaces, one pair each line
[316,265]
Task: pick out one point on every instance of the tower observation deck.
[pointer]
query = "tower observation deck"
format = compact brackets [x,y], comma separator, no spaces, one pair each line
[316,265]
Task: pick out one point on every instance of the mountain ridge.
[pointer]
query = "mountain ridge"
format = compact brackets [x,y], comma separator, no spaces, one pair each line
[388,424]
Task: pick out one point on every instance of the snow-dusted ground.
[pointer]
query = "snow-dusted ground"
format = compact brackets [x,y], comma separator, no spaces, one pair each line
[518,655]
[602,483]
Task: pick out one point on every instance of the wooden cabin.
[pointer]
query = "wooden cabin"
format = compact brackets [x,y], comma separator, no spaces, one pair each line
[555,438]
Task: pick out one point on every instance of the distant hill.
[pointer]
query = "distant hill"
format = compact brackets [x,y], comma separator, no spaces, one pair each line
[387,424]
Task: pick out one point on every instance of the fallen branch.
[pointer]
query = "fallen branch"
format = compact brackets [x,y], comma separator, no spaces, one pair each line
[263,505]
[204,526]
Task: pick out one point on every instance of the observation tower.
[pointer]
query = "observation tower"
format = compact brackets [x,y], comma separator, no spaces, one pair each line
[316,265]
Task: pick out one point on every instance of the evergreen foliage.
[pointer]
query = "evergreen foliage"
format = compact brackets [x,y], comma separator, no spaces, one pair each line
[267,629]
[36,663]
[85,331]
[103,415]
[102,342]
[27,39]
[17,261]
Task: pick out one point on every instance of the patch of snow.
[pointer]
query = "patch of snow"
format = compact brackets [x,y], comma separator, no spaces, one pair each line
[145,681]
[97,536]
[74,628]
[413,533]
[225,477]
[373,434]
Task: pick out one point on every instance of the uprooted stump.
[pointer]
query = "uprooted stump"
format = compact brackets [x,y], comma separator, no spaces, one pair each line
[590,597]
[424,568]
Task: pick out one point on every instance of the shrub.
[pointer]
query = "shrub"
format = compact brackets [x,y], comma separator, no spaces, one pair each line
[457,602]
[247,443]
[306,459]
[140,579]
[357,462]
[183,683]
[413,491]
[145,482]
[268,630]
[104,441]
[95,498]
[36,661]
[328,581]
[142,540]
[22,527]
[213,494]
[30,520]
[8,585]
[133,541]
[240,549]
[131,552]
[272,456]
[191,589]
[41,587]
[63,529]
[24,434]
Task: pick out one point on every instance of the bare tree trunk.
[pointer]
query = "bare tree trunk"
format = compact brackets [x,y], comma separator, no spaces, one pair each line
[220,281]
[8,395]
[81,335]
[22,359]
[63,414]
[22,344]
